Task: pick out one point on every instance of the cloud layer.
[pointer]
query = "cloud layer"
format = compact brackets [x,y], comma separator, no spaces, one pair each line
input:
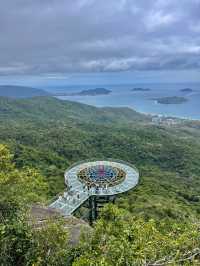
[52,36]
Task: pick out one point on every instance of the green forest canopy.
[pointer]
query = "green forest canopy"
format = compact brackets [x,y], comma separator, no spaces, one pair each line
[46,135]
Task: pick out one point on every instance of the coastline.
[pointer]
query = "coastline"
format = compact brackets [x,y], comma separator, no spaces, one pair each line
[152,114]
[167,116]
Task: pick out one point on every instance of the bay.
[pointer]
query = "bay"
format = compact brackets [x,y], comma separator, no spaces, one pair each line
[141,101]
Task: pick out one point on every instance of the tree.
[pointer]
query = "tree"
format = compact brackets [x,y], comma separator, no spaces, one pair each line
[22,242]
[49,245]
[19,186]
[120,239]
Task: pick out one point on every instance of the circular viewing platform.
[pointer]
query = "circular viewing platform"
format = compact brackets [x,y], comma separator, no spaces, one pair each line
[102,178]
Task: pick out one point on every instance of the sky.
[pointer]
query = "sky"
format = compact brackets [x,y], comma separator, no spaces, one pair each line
[102,41]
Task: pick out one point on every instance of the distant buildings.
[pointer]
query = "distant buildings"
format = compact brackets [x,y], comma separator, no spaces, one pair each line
[165,121]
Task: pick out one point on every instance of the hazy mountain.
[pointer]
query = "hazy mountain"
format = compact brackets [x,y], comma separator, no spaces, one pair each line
[21,91]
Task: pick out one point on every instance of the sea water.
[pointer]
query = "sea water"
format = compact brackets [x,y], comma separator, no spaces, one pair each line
[141,101]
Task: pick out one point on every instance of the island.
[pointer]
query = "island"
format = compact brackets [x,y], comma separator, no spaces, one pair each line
[94,92]
[140,89]
[89,92]
[186,90]
[171,100]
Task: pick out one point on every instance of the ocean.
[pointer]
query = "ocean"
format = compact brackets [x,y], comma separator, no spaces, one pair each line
[141,101]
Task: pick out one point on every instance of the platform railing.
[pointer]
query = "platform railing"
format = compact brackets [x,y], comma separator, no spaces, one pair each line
[102,159]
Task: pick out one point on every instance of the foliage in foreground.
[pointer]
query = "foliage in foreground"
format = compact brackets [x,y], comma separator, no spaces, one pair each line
[117,239]
[22,244]
[19,186]
[120,239]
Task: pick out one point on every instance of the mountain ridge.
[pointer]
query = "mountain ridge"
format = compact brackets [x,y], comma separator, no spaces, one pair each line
[64,109]
[13,91]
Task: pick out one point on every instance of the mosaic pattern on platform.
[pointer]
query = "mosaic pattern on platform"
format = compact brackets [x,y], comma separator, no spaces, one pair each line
[102,174]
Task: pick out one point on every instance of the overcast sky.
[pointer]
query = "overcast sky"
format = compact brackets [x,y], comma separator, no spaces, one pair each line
[58,37]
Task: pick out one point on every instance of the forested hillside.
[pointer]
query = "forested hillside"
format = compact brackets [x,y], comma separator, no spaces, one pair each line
[156,221]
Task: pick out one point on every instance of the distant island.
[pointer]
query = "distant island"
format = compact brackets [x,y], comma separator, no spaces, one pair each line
[140,89]
[90,92]
[12,91]
[171,100]
[187,90]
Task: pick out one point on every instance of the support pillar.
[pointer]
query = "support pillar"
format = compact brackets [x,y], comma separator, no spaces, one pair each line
[90,211]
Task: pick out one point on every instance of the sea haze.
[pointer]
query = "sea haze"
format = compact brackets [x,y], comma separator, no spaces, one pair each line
[141,100]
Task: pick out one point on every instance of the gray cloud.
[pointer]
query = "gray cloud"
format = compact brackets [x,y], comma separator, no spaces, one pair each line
[51,36]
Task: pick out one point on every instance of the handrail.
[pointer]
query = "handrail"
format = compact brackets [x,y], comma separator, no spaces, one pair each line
[101,159]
